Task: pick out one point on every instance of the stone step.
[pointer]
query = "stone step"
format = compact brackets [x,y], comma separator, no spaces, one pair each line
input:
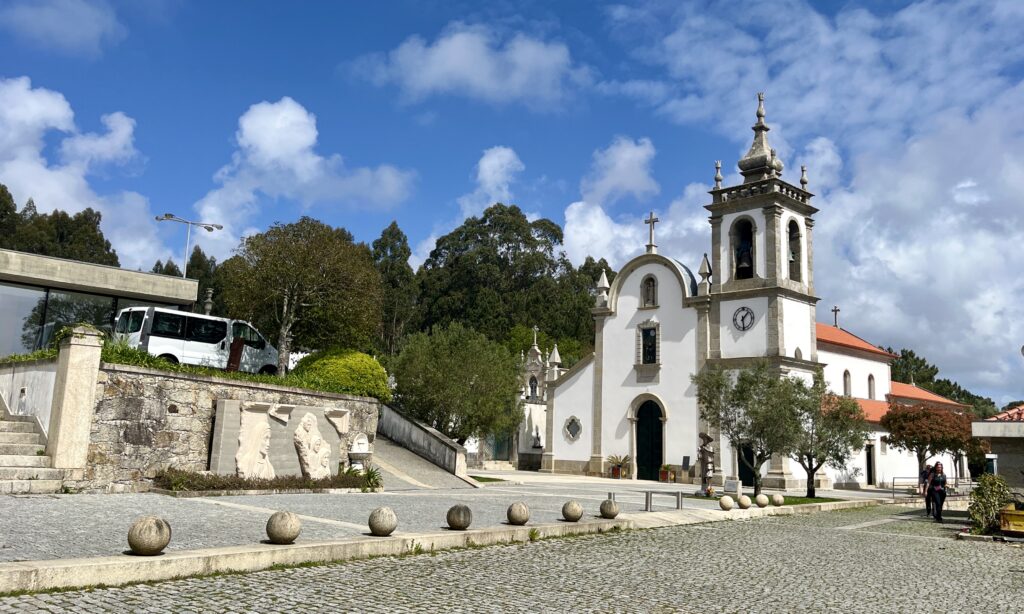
[30,473]
[6,426]
[28,449]
[16,487]
[16,418]
[20,438]
[24,460]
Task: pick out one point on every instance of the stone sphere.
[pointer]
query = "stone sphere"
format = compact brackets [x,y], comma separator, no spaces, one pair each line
[609,509]
[778,500]
[460,517]
[283,527]
[149,536]
[743,502]
[518,513]
[383,521]
[761,500]
[726,503]
[572,511]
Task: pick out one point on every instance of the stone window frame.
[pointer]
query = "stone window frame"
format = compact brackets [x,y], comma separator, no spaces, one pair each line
[847,384]
[753,247]
[642,368]
[871,386]
[567,433]
[643,292]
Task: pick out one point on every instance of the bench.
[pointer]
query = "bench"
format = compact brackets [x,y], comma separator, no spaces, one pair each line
[649,496]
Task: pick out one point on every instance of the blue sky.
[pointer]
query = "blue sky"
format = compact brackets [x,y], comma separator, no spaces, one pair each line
[907,115]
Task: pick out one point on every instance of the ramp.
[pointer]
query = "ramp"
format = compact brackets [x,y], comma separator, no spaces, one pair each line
[406,470]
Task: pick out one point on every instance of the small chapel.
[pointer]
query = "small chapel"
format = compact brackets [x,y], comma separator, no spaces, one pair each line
[657,324]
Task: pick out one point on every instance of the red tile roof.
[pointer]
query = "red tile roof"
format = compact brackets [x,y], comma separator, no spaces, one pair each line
[1015,414]
[840,337]
[873,410]
[913,393]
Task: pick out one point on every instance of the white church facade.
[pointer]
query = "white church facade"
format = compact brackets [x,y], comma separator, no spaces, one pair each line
[657,324]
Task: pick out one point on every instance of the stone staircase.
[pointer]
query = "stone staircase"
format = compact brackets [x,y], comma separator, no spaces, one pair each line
[24,468]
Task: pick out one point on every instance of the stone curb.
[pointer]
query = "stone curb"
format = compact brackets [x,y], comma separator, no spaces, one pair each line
[188,494]
[654,520]
[66,574]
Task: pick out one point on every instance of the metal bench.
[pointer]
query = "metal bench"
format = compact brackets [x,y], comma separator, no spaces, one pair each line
[649,496]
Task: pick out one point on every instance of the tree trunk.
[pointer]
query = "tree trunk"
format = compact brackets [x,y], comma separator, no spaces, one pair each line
[284,337]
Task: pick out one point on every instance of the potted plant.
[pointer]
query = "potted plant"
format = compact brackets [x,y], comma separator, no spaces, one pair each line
[615,466]
[665,474]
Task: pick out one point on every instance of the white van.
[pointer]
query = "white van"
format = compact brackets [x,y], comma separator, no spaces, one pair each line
[194,339]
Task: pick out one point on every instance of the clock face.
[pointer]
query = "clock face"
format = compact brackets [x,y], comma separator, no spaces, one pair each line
[743,319]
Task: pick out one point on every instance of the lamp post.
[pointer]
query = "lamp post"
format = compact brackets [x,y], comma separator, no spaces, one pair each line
[170,217]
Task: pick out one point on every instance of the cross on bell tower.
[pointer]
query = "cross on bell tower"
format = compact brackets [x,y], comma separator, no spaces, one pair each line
[835,315]
[652,247]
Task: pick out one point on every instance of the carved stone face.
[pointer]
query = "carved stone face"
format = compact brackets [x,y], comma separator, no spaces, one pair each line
[265,443]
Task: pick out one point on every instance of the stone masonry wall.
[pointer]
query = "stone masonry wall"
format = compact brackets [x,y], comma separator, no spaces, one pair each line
[147,420]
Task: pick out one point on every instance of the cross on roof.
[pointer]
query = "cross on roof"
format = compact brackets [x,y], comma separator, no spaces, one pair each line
[651,221]
[835,315]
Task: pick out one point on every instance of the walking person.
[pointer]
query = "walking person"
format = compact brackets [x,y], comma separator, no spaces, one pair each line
[922,481]
[937,488]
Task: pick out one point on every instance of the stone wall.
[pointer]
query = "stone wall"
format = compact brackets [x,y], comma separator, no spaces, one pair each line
[28,389]
[146,420]
[424,440]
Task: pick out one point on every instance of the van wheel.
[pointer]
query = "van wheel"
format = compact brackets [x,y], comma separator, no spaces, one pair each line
[169,358]
[268,370]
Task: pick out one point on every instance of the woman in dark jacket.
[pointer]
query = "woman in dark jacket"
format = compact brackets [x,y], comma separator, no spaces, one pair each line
[937,490]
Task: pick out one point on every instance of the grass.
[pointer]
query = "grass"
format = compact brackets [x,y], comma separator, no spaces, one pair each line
[485,479]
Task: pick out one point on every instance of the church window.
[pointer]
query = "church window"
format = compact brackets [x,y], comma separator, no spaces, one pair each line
[742,240]
[649,292]
[572,428]
[798,354]
[871,387]
[847,384]
[533,387]
[884,446]
[794,251]
[648,343]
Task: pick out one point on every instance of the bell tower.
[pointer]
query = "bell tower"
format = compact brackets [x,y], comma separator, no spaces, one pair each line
[762,263]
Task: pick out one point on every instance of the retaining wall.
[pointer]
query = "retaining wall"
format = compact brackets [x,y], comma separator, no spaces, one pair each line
[425,441]
[27,387]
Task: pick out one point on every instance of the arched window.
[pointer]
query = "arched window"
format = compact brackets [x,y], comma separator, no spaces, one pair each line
[871,387]
[648,340]
[742,240]
[649,292]
[533,387]
[798,354]
[795,258]
[847,384]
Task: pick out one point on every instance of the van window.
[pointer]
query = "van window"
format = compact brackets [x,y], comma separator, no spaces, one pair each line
[205,331]
[168,325]
[130,321]
[240,330]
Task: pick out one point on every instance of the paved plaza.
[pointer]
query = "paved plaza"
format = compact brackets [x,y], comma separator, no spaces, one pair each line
[863,560]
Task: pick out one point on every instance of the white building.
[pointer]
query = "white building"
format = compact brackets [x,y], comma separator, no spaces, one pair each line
[657,325]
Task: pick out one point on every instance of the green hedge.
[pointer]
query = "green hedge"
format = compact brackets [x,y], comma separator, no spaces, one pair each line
[345,371]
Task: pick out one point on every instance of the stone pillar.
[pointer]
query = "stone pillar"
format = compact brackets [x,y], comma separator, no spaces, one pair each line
[779,474]
[74,399]
[596,466]
[547,458]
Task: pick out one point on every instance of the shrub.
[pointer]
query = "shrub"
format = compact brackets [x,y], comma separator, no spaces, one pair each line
[346,372]
[990,496]
[178,480]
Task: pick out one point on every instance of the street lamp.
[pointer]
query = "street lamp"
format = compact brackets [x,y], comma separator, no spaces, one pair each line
[170,217]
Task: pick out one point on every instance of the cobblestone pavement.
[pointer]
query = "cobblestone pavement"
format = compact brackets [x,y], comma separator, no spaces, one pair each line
[848,561]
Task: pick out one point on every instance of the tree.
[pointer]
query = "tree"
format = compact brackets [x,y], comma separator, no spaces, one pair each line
[908,367]
[981,407]
[310,283]
[391,257]
[166,268]
[520,339]
[8,218]
[833,427]
[459,382]
[756,410]
[924,430]
[203,269]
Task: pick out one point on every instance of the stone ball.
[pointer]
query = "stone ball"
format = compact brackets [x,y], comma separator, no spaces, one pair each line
[460,517]
[778,500]
[283,527]
[761,500]
[572,511]
[149,536]
[743,502]
[518,513]
[383,521]
[609,509]
[726,503]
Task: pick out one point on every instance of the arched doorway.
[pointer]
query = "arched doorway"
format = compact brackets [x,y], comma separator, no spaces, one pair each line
[649,441]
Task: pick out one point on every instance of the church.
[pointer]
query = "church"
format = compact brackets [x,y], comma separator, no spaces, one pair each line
[752,300]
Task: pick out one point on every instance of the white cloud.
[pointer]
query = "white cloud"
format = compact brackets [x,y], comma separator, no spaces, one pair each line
[276,158]
[27,116]
[622,169]
[478,62]
[72,27]
[906,123]
[495,172]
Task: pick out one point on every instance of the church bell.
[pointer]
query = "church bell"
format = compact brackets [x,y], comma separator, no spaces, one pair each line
[744,261]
